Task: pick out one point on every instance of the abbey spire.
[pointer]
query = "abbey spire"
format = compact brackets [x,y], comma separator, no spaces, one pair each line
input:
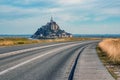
[51,19]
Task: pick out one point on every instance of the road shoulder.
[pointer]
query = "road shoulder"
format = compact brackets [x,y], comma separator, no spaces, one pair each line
[89,67]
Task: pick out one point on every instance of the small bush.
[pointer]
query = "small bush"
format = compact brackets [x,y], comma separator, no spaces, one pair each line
[112,48]
[21,42]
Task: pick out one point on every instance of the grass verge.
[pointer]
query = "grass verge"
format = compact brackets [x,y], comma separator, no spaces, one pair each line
[20,41]
[111,47]
[106,62]
[108,52]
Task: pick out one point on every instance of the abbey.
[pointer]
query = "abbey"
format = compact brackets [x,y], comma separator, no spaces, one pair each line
[50,31]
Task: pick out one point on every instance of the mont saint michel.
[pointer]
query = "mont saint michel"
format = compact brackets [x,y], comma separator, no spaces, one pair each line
[50,31]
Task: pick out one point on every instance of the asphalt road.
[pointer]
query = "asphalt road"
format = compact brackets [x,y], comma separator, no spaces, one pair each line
[50,61]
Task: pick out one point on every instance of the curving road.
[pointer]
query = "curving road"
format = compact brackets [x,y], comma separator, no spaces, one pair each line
[50,61]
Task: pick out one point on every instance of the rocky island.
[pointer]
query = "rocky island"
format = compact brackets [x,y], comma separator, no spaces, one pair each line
[50,31]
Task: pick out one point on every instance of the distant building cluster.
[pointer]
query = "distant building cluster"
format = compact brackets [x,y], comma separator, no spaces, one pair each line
[50,31]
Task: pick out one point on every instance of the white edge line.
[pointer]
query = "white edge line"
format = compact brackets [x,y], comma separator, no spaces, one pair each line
[30,49]
[23,63]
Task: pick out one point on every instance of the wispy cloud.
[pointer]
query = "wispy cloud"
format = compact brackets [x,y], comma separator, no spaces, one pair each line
[111,11]
[68,12]
[69,2]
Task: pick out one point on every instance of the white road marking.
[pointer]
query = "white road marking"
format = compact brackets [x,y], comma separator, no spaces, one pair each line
[30,49]
[23,63]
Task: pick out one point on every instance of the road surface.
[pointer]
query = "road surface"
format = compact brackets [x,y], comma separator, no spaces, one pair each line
[50,61]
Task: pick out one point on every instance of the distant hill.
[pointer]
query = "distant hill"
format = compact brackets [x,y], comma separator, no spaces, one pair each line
[50,31]
[74,35]
[97,35]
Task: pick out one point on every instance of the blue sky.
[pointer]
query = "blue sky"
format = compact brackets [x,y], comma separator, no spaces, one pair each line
[74,16]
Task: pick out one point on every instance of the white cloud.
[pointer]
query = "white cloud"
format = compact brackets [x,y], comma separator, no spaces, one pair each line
[100,18]
[26,2]
[65,10]
[72,2]
[24,26]
[111,11]
[53,10]
[69,2]
[8,9]
[12,12]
